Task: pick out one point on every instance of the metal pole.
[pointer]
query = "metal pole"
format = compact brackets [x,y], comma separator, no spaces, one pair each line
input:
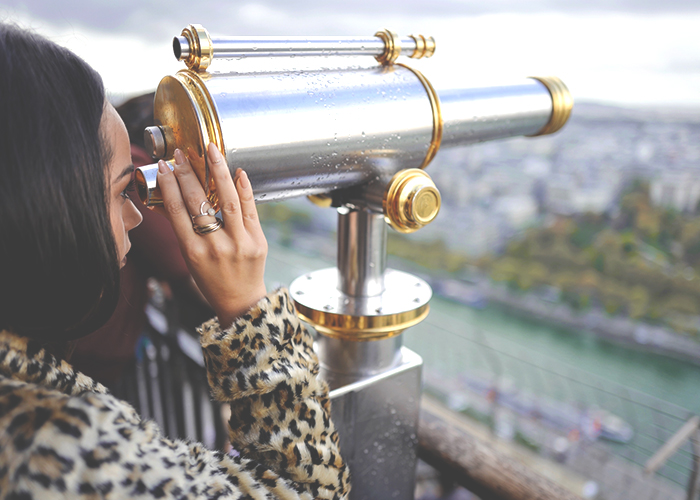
[197,48]
[299,46]
[693,483]
[361,252]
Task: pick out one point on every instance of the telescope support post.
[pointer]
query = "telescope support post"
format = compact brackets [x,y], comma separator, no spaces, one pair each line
[360,310]
[361,252]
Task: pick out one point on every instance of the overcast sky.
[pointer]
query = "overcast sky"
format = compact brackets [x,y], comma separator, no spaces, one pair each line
[644,52]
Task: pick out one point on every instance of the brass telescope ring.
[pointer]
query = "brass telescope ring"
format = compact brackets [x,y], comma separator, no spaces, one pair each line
[562,104]
[392,47]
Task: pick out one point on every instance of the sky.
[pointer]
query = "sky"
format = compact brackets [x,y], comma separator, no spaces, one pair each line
[621,52]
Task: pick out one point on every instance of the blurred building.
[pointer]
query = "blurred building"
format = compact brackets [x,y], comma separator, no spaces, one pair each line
[678,190]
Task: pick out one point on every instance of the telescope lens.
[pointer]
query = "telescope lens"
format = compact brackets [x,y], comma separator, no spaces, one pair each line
[154,141]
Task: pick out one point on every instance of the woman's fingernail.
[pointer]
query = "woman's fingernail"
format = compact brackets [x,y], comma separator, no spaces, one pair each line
[179,157]
[213,150]
[162,167]
[243,179]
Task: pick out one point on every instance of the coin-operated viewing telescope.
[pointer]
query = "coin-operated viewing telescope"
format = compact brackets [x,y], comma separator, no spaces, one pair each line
[357,139]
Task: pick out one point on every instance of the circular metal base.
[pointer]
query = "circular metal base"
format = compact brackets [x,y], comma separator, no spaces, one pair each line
[403,303]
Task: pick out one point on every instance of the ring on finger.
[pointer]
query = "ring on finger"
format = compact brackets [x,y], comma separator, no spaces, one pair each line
[208,228]
[209,213]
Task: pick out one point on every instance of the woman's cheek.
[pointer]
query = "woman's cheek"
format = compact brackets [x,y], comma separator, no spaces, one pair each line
[118,231]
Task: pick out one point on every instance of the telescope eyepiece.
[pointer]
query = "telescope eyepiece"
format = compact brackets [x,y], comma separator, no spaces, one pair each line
[141,186]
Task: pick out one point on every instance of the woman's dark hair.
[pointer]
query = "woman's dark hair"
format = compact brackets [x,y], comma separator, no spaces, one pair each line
[58,258]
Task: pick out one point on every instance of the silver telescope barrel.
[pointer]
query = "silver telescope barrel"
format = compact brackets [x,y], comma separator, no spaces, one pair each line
[321,131]
[197,48]
[534,106]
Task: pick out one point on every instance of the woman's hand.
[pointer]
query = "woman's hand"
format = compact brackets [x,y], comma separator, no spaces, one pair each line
[228,264]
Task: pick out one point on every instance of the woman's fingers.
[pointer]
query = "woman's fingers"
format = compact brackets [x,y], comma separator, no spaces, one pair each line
[175,206]
[229,267]
[229,201]
[238,192]
[192,191]
[248,209]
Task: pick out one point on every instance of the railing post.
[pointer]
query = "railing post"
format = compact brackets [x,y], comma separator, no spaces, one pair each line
[690,430]
[695,473]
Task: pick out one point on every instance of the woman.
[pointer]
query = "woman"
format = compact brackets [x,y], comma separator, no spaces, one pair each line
[105,353]
[65,168]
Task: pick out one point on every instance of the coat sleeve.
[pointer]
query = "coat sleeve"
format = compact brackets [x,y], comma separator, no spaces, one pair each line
[55,446]
[92,445]
[265,367]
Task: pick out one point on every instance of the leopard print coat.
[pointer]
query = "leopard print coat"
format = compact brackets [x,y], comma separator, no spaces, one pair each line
[62,435]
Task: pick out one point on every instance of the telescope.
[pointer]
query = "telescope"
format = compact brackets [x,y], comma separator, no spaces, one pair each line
[357,139]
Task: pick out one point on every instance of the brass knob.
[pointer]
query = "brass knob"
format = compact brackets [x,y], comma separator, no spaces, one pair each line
[411,200]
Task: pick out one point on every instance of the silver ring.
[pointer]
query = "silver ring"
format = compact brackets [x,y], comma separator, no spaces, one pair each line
[209,213]
[208,228]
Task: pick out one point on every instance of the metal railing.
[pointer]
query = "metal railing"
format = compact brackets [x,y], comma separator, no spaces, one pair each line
[472,377]
[689,432]
[167,383]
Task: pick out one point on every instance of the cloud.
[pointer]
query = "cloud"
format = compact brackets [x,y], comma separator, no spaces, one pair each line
[149,19]
[627,54]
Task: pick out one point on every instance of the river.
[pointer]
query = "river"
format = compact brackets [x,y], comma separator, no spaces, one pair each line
[457,337]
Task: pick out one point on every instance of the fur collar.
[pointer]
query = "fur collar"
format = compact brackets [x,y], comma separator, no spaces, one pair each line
[28,361]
